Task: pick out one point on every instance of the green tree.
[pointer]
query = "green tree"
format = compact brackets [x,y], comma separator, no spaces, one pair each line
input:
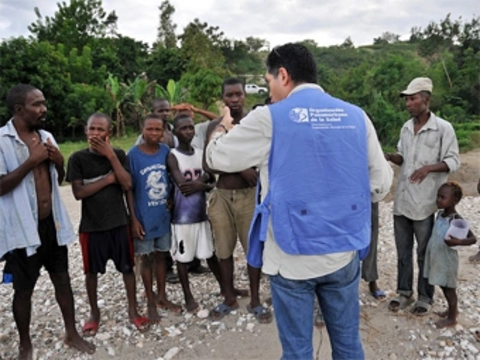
[203,85]
[118,92]
[201,47]
[74,24]
[166,29]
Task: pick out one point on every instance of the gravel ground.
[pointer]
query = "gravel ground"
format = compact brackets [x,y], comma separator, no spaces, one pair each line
[238,336]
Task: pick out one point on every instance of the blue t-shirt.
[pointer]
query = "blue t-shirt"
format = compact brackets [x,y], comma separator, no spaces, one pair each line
[151,189]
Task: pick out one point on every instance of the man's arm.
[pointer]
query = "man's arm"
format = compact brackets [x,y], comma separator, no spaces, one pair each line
[397,159]
[82,191]
[38,154]
[210,128]
[185,106]
[449,154]
[245,146]
[381,173]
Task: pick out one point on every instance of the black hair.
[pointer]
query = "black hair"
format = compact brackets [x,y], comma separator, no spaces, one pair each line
[101,115]
[296,59]
[232,81]
[180,117]
[17,95]
[157,100]
[152,116]
[456,189]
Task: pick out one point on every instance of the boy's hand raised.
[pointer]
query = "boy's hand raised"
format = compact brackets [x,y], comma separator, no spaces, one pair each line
[101,146]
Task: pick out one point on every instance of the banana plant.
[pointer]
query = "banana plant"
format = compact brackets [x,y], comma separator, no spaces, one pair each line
[173,92]
[118,92]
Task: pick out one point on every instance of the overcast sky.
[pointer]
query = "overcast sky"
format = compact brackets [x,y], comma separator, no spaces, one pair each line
[327,22]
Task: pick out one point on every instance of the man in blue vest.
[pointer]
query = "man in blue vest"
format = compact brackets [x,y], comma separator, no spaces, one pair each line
[320,166]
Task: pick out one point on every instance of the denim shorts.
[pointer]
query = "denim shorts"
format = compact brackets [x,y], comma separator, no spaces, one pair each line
[147,246]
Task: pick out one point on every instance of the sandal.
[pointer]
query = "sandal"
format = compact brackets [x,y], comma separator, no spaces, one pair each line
[421,308]
[261,313]
[400,302]
[141,323]
[90,328]
[378,294]
[219,311]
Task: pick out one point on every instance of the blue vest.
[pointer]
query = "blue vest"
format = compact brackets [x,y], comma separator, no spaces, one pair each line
[319,195]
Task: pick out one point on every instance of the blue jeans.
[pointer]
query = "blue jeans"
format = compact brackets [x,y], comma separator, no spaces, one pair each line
[405,230]
[338,298]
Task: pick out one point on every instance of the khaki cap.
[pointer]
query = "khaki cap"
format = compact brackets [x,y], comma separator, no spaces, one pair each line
[417,85]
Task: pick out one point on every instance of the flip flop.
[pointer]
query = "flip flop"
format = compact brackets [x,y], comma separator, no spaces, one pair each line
[421,308]
[219,311]
[261,313]
[400,302]
[378,294]
[141,323]
[90,328]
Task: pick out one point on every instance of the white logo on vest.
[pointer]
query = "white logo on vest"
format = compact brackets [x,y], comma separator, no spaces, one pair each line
[299,115]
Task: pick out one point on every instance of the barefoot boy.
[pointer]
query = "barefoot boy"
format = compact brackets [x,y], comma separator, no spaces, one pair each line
[192,235]
[150,217]
[34,225]
[99,177]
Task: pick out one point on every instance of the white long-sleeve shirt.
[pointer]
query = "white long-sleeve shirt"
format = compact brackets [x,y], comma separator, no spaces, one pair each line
[248,145]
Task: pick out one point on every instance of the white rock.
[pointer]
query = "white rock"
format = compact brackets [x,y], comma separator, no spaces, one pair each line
[103,336]
[202,314]
[171,353]
[392,356]
[250,327]
[127,331]
[447,333]
[110,351]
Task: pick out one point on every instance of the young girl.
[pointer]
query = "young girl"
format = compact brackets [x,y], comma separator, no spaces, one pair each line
[441,261]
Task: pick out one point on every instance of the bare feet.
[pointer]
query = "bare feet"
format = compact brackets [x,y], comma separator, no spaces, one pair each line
[445,323]
[152,314]
[77,342]
[475,258]
[170,306]
[442,314]
[25,352]
[191,306]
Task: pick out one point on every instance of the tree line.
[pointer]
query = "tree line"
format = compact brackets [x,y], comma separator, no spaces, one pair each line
[83,65]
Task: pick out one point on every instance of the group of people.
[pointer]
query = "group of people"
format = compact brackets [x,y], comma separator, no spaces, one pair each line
[297,182]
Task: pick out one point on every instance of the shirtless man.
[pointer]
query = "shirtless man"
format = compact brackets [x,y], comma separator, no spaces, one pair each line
[230,210]
[36,230]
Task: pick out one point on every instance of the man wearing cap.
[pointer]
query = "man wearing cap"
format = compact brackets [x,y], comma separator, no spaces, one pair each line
[427,152]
